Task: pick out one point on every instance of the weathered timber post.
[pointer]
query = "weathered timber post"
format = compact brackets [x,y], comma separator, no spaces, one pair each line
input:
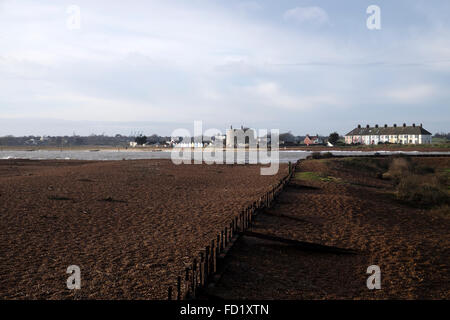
[226,237]
[201,269]
[187,282]
[217,258]
[194,276]
[178,288]
[207,266]
[213,251]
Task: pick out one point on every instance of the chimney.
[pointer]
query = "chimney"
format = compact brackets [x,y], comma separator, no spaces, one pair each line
[385,125]
[414,125]
[367,126]
[376,126]
[421,125]
[359,126]
[395,125]
[404,125]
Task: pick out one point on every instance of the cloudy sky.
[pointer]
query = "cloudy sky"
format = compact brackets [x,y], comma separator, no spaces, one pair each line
[154,66]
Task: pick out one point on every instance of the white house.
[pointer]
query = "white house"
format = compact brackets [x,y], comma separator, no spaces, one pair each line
[402,135]
[240,137]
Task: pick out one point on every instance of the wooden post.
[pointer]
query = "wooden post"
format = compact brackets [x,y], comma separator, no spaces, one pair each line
[187,282]
[179,288]
[246,218]
[194,276]
[222,242]
[211,261]
[201,269]
[206,272]
[226,237]
[217,258]
[169,294]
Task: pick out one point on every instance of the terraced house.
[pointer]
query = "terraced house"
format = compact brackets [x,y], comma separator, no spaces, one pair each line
[375,135]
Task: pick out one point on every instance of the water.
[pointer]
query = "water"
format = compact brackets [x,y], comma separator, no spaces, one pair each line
[284,156]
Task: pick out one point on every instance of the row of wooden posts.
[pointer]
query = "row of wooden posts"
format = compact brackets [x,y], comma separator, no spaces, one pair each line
[202,269]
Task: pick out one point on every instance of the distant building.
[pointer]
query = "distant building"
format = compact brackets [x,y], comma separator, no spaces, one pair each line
[402,135]
[133,144]
[219,140]
[234,137]
[312,140]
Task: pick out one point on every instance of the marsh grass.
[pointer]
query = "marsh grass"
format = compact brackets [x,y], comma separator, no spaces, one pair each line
[320,155]
[315,176]
[418,184]
[371,166]
[422,189]
[415,183]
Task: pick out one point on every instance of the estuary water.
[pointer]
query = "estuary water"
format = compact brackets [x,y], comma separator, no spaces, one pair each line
[284,155]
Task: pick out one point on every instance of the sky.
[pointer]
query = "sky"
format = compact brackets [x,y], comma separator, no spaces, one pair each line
[156,66]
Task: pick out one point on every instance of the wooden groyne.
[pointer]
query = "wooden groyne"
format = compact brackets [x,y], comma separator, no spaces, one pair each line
[207,266]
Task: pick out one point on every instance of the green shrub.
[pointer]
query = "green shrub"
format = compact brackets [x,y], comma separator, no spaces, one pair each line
[398,167]
[421,190]
[319,155]
[373,166]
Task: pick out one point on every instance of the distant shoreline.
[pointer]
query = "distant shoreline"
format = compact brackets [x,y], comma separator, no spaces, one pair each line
[406,148]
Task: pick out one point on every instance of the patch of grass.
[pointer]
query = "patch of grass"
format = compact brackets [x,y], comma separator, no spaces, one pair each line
[372,166]
[307,176]
[315,176]
[440,143]
[435,140]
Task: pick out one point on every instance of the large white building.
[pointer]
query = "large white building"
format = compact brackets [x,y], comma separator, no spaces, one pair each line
[240,137]
[401,135]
